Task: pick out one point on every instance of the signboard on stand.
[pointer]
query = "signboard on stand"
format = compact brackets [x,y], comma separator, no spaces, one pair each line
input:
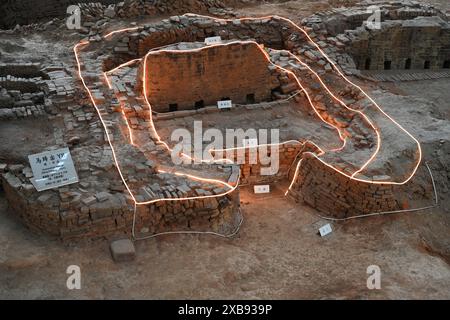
[52,169]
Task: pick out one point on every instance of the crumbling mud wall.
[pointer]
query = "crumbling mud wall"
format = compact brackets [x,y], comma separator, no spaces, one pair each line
[183,79]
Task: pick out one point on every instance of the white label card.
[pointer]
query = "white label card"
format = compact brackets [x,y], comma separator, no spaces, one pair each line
[262,189]
[224,104]
[52,169]
[213,40]
[325,230]
[248,143]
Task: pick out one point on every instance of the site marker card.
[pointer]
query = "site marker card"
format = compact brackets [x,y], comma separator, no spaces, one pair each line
[249,143]
[224,104]
[213,40]
[325,230]
[262,189]
[52,169]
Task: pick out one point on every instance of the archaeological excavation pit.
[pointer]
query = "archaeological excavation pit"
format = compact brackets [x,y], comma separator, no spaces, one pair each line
[135,86]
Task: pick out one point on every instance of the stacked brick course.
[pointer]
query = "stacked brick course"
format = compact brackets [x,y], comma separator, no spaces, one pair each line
[422,41]
[335,195]
[233,71]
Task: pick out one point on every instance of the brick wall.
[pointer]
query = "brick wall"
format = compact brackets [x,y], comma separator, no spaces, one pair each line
[419,42]
[336,195]
[231,71]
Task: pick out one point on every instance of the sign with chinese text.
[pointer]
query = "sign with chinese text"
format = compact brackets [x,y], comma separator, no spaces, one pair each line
[213,40]
[262,189]
[52,169]
[224,104]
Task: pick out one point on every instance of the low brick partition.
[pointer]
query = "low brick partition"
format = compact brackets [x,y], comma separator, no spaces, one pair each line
[336,195]
[21,84]
[72,216]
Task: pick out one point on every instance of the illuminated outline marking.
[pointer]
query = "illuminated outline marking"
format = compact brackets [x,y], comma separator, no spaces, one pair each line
[232,188]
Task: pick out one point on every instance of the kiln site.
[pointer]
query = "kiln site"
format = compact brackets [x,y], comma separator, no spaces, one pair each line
[224,149]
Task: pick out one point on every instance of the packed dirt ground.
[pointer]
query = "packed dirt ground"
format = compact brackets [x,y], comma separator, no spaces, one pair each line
[277,253]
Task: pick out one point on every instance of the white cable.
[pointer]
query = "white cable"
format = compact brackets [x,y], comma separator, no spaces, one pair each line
[188,232]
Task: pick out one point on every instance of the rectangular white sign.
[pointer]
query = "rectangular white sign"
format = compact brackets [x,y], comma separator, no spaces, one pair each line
[213,40]
[326,229]
[262,189]
[224,104]
[52,169]
[249,143]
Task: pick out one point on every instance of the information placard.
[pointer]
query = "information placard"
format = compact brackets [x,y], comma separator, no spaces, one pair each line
[224,104]
[326,229]
[262,189]
[213,40]
[52,169]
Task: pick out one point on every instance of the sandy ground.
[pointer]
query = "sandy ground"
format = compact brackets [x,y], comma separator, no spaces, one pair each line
[276,255]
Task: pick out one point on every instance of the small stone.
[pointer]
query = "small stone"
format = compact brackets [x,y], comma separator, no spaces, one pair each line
[89,200]
[122,250]
[85,184]
[102,196]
